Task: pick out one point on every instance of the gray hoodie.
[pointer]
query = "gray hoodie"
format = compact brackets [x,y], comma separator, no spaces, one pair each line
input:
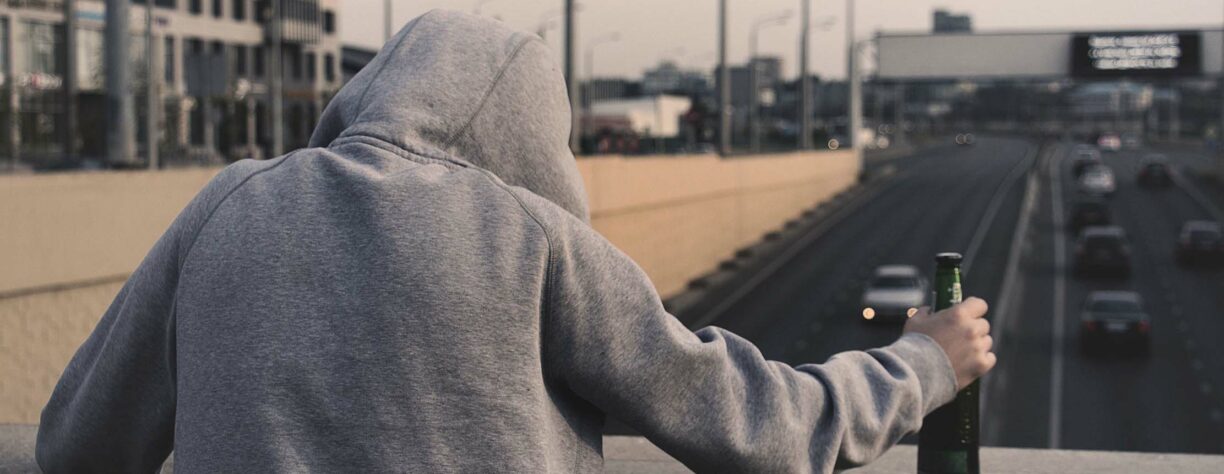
[420,291]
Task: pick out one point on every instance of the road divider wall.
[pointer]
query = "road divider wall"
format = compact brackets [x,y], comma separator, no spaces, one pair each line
[70,240]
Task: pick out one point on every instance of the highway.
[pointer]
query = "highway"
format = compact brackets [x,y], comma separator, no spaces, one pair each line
[1003,201]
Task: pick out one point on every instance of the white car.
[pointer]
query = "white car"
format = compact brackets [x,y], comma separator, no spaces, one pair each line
[1098,180]
[1109,142]
[894,293]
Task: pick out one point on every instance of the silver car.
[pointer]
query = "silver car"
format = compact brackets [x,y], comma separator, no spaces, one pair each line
[1098,180]
[894,293]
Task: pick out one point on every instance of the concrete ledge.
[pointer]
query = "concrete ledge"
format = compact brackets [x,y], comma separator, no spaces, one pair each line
[632,454]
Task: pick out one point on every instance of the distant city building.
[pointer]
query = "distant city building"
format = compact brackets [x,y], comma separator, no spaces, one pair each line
[947,22]
[668,78]
[595,90]
[214,71]
[647,117]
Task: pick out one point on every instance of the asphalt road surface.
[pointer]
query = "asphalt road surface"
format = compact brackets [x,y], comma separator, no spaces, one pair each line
[1001,203]
[1049,394]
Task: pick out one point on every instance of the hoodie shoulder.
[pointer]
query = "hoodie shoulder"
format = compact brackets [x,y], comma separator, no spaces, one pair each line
[201,208]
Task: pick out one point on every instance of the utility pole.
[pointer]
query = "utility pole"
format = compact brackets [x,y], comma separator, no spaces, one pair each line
[571,81]
[152,89]
[387,20]
[70,80]
[119,110]
[724,84]
[855,100]
[805,87]
[899,112]
[277,77]
[11,115]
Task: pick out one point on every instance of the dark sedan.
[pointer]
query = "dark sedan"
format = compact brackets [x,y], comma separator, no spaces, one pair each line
[1154,173]
[1200,243]
[1115,320]
[1087,212]
[1102,252]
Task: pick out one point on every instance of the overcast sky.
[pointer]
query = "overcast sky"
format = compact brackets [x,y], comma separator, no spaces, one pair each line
[686,30]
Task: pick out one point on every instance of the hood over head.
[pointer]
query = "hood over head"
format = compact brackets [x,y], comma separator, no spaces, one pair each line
[473,88]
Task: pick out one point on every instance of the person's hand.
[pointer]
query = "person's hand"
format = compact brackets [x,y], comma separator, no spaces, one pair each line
[964,336]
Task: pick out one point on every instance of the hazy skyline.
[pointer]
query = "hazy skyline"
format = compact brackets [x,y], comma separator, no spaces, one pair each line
[686,31]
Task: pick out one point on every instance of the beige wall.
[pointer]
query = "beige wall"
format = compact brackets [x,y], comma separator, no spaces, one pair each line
[679,217]
[676,216]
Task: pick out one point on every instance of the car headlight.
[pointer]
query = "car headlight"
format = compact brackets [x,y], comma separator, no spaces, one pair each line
[909,313]
[868,313]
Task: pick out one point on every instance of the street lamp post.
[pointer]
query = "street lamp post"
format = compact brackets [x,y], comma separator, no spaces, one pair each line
[805,80]
[754,89]
[387,20]
[855,102]
[724,84]
[152,89]
[571,82]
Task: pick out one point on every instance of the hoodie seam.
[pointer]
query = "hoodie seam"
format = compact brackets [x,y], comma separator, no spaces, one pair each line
[501,72]
[220,202]
[549,270]
[385,145]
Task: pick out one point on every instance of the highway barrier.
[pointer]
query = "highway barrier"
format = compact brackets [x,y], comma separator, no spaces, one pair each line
[71,239]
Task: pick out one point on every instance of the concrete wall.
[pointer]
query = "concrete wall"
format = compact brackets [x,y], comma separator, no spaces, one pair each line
[69,240]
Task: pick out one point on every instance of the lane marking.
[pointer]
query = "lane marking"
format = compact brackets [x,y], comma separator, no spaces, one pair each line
[787,256]
[996,203]
[1010,287]
[1060,303]
[1191,189]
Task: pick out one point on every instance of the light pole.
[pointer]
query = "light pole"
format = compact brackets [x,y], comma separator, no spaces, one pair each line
[387,20]
[571,82]
[805,80]
[152,89]
[70,79]
[754,89]
[724,84]
[120,113]
[854,101]
[590,67]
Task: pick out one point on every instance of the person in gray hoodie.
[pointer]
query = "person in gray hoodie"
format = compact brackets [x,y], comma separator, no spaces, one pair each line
[420,291]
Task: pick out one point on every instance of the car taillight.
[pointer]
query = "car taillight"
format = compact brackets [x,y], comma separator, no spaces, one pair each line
[1145,326]
[1090,326]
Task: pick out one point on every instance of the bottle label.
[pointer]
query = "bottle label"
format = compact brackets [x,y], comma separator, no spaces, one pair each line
[956,293]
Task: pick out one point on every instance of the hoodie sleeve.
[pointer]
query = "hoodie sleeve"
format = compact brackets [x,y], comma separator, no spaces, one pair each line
[709,398]
[114,406]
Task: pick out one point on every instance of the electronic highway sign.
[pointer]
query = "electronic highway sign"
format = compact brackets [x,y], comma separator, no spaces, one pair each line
[1120,54]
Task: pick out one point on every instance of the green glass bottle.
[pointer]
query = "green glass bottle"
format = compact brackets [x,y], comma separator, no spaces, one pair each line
[948,442]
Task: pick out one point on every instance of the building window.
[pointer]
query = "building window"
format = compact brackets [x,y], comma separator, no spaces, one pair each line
[217,10]
[240,60]
[295,62]
[196,7]
[310,67]
[239,10]
[168,60]
[329,21]
[258,56]
[329,67]
[171,4]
